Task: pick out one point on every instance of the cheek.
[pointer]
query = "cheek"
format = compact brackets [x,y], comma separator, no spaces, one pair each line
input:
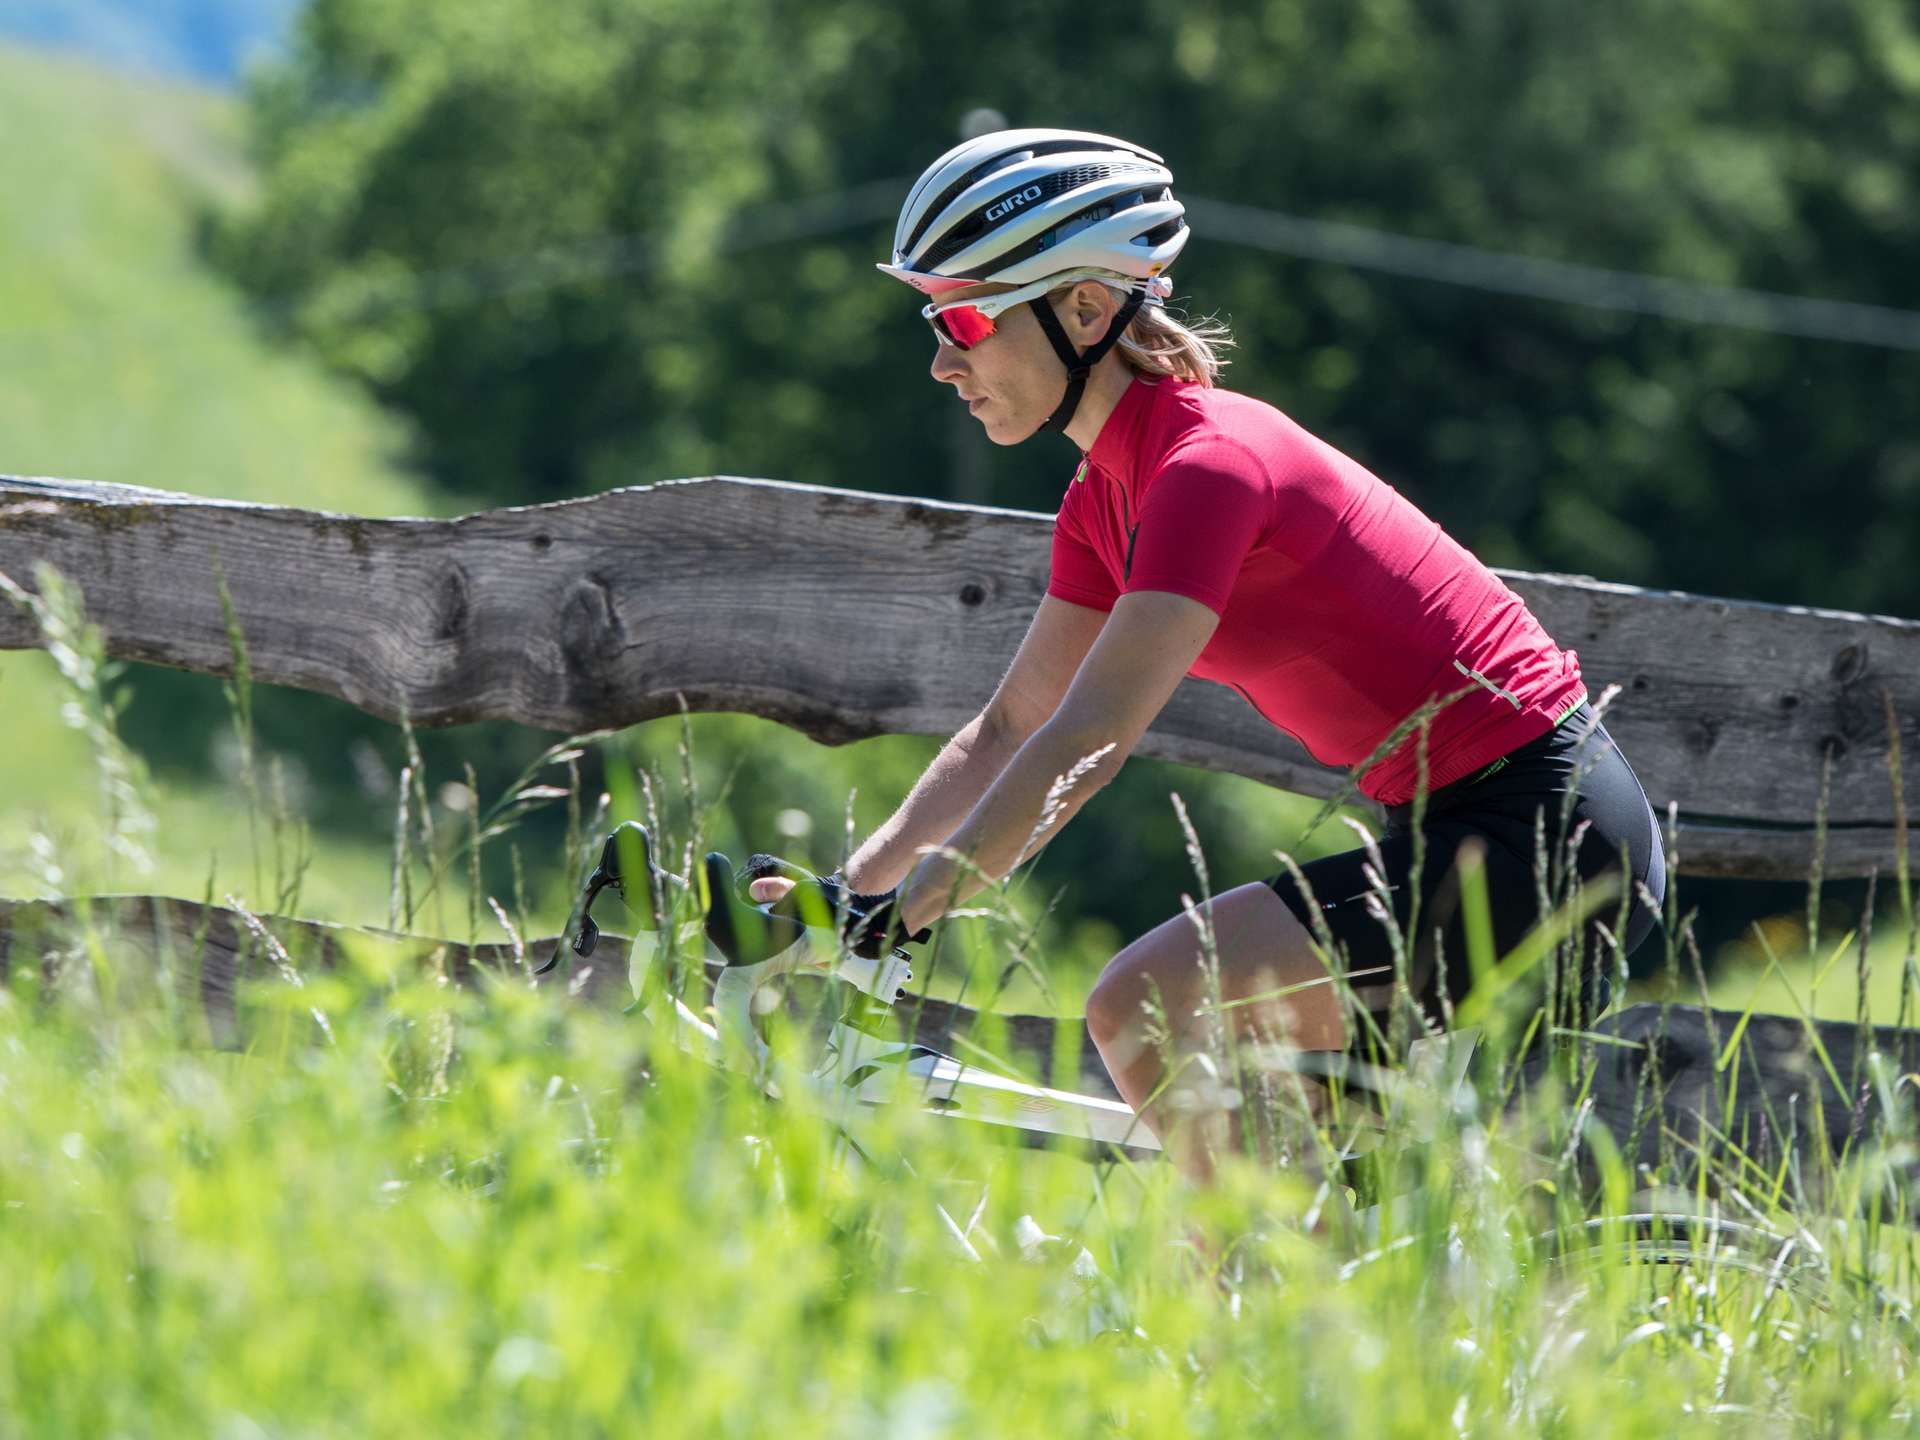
[1038,381]
[1014,361]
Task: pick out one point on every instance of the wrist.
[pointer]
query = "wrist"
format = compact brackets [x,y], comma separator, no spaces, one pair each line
[923,895]
[864,876]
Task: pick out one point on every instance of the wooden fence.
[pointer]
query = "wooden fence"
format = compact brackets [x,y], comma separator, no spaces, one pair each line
[1661,1085]
[846,614]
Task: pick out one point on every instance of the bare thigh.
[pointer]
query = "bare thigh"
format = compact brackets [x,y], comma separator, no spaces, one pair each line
[1266,959]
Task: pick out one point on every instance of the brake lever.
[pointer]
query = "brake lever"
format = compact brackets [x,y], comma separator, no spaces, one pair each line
[632,837]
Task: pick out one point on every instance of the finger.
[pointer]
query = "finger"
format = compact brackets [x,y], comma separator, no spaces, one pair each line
[770,887]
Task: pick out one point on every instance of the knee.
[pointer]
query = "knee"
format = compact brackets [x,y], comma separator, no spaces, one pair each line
[1122,998]
[1114,1002]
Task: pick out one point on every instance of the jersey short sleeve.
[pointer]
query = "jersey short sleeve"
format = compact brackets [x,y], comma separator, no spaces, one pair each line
[1207,507]
[1078,575]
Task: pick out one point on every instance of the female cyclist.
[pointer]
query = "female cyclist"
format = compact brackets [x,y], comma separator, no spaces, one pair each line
[1207,534]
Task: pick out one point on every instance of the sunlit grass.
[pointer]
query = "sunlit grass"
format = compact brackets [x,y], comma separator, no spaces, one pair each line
[1792,982]
[550,1222]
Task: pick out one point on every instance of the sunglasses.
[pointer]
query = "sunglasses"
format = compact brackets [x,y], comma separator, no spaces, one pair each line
[963,324]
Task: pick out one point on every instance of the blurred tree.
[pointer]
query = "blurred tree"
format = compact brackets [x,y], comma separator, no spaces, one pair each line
[565,239]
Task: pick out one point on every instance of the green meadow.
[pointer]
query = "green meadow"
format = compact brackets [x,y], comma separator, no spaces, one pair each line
[122,359]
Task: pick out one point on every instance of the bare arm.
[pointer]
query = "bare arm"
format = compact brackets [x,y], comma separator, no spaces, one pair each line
[942,797]
[1143,651]
[1057,641]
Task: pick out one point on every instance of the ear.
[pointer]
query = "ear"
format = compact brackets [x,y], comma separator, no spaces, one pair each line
[1088,311]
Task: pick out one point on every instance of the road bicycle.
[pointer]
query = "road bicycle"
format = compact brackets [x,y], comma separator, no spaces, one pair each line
[708,966]
[686,928]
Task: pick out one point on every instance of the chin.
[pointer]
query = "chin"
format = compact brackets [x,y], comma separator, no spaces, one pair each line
[1000,433]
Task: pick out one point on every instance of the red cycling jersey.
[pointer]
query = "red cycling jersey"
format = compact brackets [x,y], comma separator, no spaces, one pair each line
[1342,607]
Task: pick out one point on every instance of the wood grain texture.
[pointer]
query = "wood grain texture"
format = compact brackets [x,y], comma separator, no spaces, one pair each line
[210,950]
[1657,1091]
[1664,1101]
[846,615]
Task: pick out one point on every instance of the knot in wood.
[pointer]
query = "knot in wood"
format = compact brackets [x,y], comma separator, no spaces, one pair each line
[1850,662]
[451,609]
[590,632]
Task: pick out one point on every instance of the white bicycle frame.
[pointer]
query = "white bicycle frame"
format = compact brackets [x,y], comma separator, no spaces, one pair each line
[859,1072]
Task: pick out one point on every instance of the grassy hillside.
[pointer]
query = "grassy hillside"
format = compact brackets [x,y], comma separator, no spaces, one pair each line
[122,359]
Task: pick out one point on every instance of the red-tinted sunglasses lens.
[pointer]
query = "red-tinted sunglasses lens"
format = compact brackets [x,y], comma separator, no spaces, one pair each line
[962,325]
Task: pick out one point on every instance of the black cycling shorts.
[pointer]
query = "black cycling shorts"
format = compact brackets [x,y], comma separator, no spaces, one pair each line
[1498,810]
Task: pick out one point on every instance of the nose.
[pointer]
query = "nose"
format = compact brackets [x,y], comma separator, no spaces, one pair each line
[949,363]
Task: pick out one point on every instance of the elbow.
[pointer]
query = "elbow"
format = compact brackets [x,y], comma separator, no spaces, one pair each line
[995,730]
[1005,729]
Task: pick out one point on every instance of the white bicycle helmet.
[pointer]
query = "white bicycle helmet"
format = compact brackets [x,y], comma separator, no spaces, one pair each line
[1020,205]
[1017,206]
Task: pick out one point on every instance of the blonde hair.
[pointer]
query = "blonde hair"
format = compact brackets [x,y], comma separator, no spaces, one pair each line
[1157,344]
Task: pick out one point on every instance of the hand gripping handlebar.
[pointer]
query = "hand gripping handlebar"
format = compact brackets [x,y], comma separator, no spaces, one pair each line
[743,931]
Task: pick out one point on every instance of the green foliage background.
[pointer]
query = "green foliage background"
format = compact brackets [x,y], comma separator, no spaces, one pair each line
[415,161]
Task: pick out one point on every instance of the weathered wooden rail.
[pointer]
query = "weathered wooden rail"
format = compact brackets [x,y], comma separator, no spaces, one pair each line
[1658,1086]
[845,615]
[210,951]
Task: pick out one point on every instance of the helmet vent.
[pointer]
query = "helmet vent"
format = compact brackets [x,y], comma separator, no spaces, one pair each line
[1058,183]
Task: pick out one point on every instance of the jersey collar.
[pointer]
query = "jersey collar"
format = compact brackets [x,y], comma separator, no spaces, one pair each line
[1116,450]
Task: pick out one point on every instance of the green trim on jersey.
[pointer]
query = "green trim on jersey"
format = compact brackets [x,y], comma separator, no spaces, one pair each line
[1565,715]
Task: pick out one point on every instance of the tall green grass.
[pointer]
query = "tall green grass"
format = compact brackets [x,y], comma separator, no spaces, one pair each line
[409,1207]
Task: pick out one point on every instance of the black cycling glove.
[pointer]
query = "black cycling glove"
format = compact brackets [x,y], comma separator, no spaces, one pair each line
[870,924]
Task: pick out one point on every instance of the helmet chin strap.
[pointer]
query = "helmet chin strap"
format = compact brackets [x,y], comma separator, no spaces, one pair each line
[1079,365]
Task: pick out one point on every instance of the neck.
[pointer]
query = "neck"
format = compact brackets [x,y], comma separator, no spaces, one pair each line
[1105,386]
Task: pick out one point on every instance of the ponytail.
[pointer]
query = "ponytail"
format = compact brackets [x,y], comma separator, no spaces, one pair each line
[1158,345]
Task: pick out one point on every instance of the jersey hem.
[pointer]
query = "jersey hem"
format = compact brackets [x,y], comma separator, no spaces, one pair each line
[1470,752]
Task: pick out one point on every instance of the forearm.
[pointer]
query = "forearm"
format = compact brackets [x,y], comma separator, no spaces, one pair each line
[942,798]
[1023,808]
